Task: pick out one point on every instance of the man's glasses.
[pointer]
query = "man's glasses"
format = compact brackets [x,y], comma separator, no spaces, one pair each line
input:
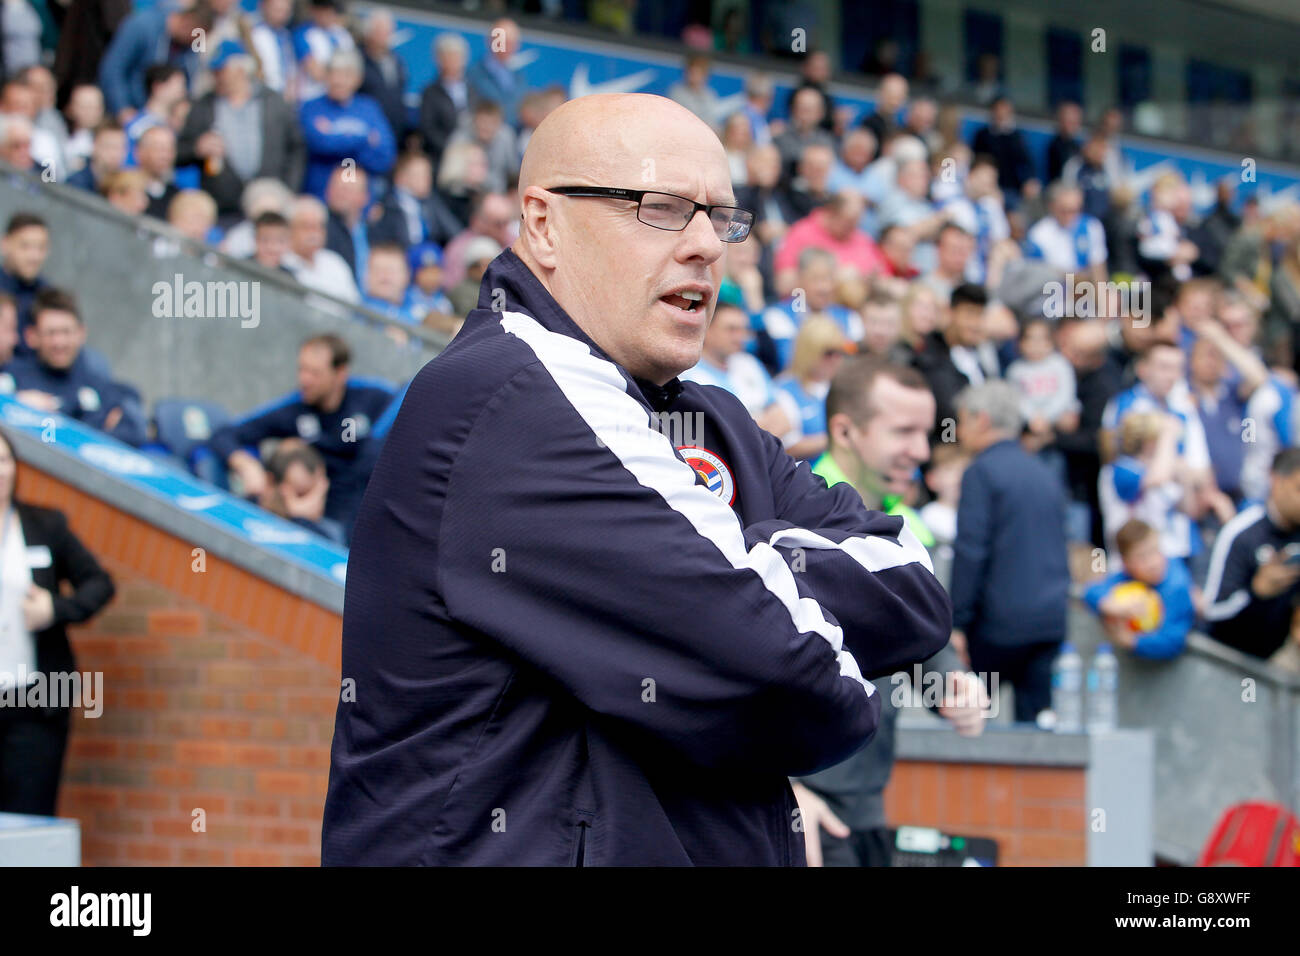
[667,211]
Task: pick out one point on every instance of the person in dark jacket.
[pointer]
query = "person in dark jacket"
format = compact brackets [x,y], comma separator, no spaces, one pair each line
[85,29]
[331,411]
[959,356]
[1002,140]
[384,72]
[59,375]
[239,132]
[163,34]
[594,615]
[1010,574]
[23,251]
[446,99]
[38,554]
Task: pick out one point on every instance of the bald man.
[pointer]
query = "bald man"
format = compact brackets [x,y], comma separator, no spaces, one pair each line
[594,615]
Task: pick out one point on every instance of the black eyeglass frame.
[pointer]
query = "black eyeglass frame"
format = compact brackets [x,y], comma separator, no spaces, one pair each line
[636,195]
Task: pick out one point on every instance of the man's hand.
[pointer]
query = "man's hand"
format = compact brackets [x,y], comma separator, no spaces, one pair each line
[33,398]
[210,146]
[38,608]
[1274,577]
[965,707]
[815,815]
[250,472]
[309,505]
[958,643]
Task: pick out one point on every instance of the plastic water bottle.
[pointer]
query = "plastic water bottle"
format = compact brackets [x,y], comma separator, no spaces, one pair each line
[1103,691]
[1067,690]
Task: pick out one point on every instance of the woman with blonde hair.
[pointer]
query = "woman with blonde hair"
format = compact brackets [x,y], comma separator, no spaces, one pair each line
[818,350]
[922,316]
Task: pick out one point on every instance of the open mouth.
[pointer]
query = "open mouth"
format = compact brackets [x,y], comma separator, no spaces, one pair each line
[688,300]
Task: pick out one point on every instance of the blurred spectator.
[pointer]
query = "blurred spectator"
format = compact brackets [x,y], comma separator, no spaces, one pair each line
[758,106]
[954,248]
[387,281]
[882,320]
[8,333]
[55,376]
[156,157]
[815,75]
[1087,170]
[813,293]
[271,241]
[909,205]
[978,210]
[427,295]
[1068,239]
[810,187]
[461,177]
[948,462]
[161,34]
[259,196]
[1132,620]
[737,140]
[84,34]
[297,488]
[534,108]
[919,317]
[1062,147]
[479,252]
[344,128]
[84,114]
[693,90]
[960,355]
[193,214]
[230,24]
[240,132]
[412,209]
[384,73]
[725,363]
[492,215]
[920,122]
[16,143]
[127,191]
[1045,382]
[45,116]
[446,98]
[803,130]
[1010,575]
[773,207]
[891,98]
[272,43]
[1211,235]
[988,88]
[310,262]
[1082,342]
[493,78]
[331,411]
[487,130]
[1002,140]
[857,149]
[1163,246]
[18,101]
[819,350]
[833,227]
[164,86]
[897,245]
[1254,576]
[24,251]
[315,42]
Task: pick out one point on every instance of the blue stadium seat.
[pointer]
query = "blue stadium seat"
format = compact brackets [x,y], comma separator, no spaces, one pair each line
[183,427]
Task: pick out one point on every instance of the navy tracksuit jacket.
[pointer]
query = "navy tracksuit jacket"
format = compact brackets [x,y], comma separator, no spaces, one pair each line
[571,647]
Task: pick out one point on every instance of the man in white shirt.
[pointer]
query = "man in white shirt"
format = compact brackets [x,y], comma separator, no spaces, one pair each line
[316,267]
[1067,237]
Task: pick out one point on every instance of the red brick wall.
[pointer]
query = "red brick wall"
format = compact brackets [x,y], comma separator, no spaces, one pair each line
[219,694]
[1036,814]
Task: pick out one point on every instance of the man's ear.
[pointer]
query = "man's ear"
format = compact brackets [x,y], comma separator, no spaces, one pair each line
[538,226]
[837,428]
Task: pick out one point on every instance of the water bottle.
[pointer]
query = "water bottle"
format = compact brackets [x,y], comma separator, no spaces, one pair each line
[1067,690]
[1103,691]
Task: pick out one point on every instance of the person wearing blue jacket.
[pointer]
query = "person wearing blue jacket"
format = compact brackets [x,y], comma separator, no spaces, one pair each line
[594,615]
[162,34]
[1010,571]
[332,411]
[58,374]
[344,125]
[1154,621]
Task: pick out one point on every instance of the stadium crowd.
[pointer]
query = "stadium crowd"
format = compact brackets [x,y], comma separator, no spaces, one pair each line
[1054,379]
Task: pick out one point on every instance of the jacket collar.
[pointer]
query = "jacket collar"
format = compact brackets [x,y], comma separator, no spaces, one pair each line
[524,292]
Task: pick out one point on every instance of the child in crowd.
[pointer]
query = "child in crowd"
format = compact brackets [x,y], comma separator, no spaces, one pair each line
[426,282]
[1045,380]
[947,464]
[1146,606]
[1144,480]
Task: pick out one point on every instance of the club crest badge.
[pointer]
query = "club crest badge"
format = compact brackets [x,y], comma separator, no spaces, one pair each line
[715,472]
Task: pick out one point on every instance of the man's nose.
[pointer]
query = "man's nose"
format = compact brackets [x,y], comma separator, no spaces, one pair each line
[699,240]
